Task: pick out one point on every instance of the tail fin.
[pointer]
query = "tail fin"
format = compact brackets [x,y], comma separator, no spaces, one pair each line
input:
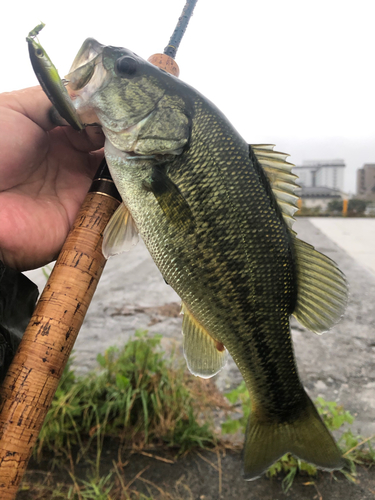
[307,437]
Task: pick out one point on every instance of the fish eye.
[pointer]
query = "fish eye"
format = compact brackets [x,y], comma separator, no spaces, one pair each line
[126,66]
[39,52]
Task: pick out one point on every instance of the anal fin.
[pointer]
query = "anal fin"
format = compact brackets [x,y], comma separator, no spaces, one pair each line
[204,355]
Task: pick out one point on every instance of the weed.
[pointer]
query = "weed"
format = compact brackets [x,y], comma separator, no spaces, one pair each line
[47,270]
[136,396]
[241,394]
[97,488]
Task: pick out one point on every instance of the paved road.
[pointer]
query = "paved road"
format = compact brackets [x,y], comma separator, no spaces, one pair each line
[339,365]
[356,236]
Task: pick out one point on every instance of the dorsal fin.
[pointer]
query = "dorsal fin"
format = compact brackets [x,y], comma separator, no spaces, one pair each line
[283,182]
[322,287]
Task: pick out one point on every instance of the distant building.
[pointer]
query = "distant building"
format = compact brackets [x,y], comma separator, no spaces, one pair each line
[366,181]
[321,181]
[313,197]
[322,173]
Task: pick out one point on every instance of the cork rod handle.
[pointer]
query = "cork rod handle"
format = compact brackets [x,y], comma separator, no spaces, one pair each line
[35,372]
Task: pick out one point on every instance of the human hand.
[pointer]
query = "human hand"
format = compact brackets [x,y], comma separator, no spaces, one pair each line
[45,173]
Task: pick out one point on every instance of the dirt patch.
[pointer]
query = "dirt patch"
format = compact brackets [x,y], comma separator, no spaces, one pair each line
[209,475]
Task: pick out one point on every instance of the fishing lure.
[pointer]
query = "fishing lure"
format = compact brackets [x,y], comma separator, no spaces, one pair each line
[50,80]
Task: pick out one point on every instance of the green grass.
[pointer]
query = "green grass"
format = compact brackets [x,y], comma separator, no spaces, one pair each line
[139,399]
[355,449]
[136,396]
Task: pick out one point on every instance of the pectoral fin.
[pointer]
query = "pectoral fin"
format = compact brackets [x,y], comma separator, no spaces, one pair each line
[322,289]
[176,209]
[204,355]
[120,234]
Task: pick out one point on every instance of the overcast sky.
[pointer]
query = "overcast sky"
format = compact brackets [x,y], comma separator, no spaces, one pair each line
[298,74]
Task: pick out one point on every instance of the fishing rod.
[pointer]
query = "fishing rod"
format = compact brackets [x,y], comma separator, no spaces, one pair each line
[175,40]
[35,372]
[166,60]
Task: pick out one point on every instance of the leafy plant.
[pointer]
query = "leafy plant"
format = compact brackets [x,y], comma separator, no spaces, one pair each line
[309,211]
[241,394]
[335,207]
[357,207]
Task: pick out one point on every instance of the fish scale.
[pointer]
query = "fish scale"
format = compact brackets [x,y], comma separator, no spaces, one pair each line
[225,245]
[216,216]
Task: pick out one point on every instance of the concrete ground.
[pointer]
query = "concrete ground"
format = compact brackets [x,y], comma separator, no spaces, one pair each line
[355,236]
[339,365]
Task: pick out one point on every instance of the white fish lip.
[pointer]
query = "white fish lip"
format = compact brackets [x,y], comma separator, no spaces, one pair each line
[81,98]
[89,50]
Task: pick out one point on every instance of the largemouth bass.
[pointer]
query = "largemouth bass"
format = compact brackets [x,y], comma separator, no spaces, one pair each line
[216,215]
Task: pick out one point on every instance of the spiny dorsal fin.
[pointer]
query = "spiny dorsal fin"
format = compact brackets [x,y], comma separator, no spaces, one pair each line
[204,355]
[283,182]
[120,234]
[322,289]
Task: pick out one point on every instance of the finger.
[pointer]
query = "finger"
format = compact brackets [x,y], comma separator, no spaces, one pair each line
[32,103]
[96,137]
[35,105]
[95,159]
[90,139]
[23,145]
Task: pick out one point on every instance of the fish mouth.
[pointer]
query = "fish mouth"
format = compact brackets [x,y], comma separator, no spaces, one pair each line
[87,74]
[90,49]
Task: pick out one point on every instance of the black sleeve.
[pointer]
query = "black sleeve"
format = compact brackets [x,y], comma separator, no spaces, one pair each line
[18,296]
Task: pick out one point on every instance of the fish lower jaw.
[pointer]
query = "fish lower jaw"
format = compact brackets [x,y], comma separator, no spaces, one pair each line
[129,153]
[88,117]
[123,152]
[132,155]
